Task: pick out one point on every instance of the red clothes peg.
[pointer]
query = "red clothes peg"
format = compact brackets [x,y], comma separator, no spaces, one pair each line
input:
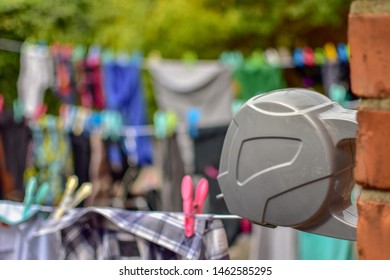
[192,206]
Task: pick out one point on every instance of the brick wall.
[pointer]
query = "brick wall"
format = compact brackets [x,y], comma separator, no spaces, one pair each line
[369,39]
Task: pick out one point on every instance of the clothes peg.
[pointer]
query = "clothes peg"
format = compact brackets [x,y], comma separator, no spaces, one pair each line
[160,124]
[116,125]
[232,59]
[342,52]
[81,194]
[107,56]
[256,59]
[18,111]
[319,56]
[29,195]
[285,57]
[188,207]
[81,116]
[237,105]
[78,52]
[165,123]
[192,206]
[201,192]
[193,117]
[190,58]
[42,193]
[172,121]
[67,198]
[308,56]
[337,93]
[40,112]
[298,57]
[1,103]
[272,57]
[330,51]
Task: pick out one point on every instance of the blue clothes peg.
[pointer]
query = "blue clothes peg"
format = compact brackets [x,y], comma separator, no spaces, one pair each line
[94,122]
[137,57]
[298,57]
[193,117]
[342,52]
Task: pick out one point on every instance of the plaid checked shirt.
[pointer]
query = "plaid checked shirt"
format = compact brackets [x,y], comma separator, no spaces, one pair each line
[107,233]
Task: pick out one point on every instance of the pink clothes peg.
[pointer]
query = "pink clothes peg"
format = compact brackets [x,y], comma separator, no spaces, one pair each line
[186,194]
[41,111]
[1,103]
[201,193]
[308,56]
[192,206]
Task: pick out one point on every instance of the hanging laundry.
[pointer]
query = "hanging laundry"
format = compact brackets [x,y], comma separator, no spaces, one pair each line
[52,161]
[35,76]
[203,85]
[172,173]
[16,138]
[81,152]
[157,235]
[7,188]
[99,173]
[317,247]
[64,82]
[257,79]
[337,73]
[89,82]
[309,76]
[279,243]
[124,94]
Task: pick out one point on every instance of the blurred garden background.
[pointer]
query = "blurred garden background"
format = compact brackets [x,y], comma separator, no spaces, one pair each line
[171,28]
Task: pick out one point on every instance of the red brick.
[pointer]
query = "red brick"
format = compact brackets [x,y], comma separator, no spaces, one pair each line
[373,229]
[369,39]
[373,149]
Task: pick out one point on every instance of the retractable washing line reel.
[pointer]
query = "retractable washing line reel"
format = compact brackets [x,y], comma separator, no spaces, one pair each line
[288,160]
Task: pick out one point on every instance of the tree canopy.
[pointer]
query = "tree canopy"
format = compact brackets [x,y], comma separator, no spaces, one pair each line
[206,27]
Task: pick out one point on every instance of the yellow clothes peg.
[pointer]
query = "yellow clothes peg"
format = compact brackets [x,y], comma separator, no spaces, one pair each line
[67,198]
[84,192]
[330,52]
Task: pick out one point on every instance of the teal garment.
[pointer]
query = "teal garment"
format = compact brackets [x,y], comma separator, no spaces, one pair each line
[256,79]
[318,247]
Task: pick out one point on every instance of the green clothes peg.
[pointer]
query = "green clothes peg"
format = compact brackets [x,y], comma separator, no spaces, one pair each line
[319,56]
[18,110]
[337,93]
[160,124]
[29,196]
[42,193]
[190,58]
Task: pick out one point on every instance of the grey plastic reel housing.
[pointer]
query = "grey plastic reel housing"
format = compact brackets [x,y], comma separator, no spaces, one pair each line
[288,160]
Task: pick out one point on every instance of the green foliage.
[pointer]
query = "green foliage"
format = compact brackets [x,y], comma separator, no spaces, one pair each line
[173,27]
